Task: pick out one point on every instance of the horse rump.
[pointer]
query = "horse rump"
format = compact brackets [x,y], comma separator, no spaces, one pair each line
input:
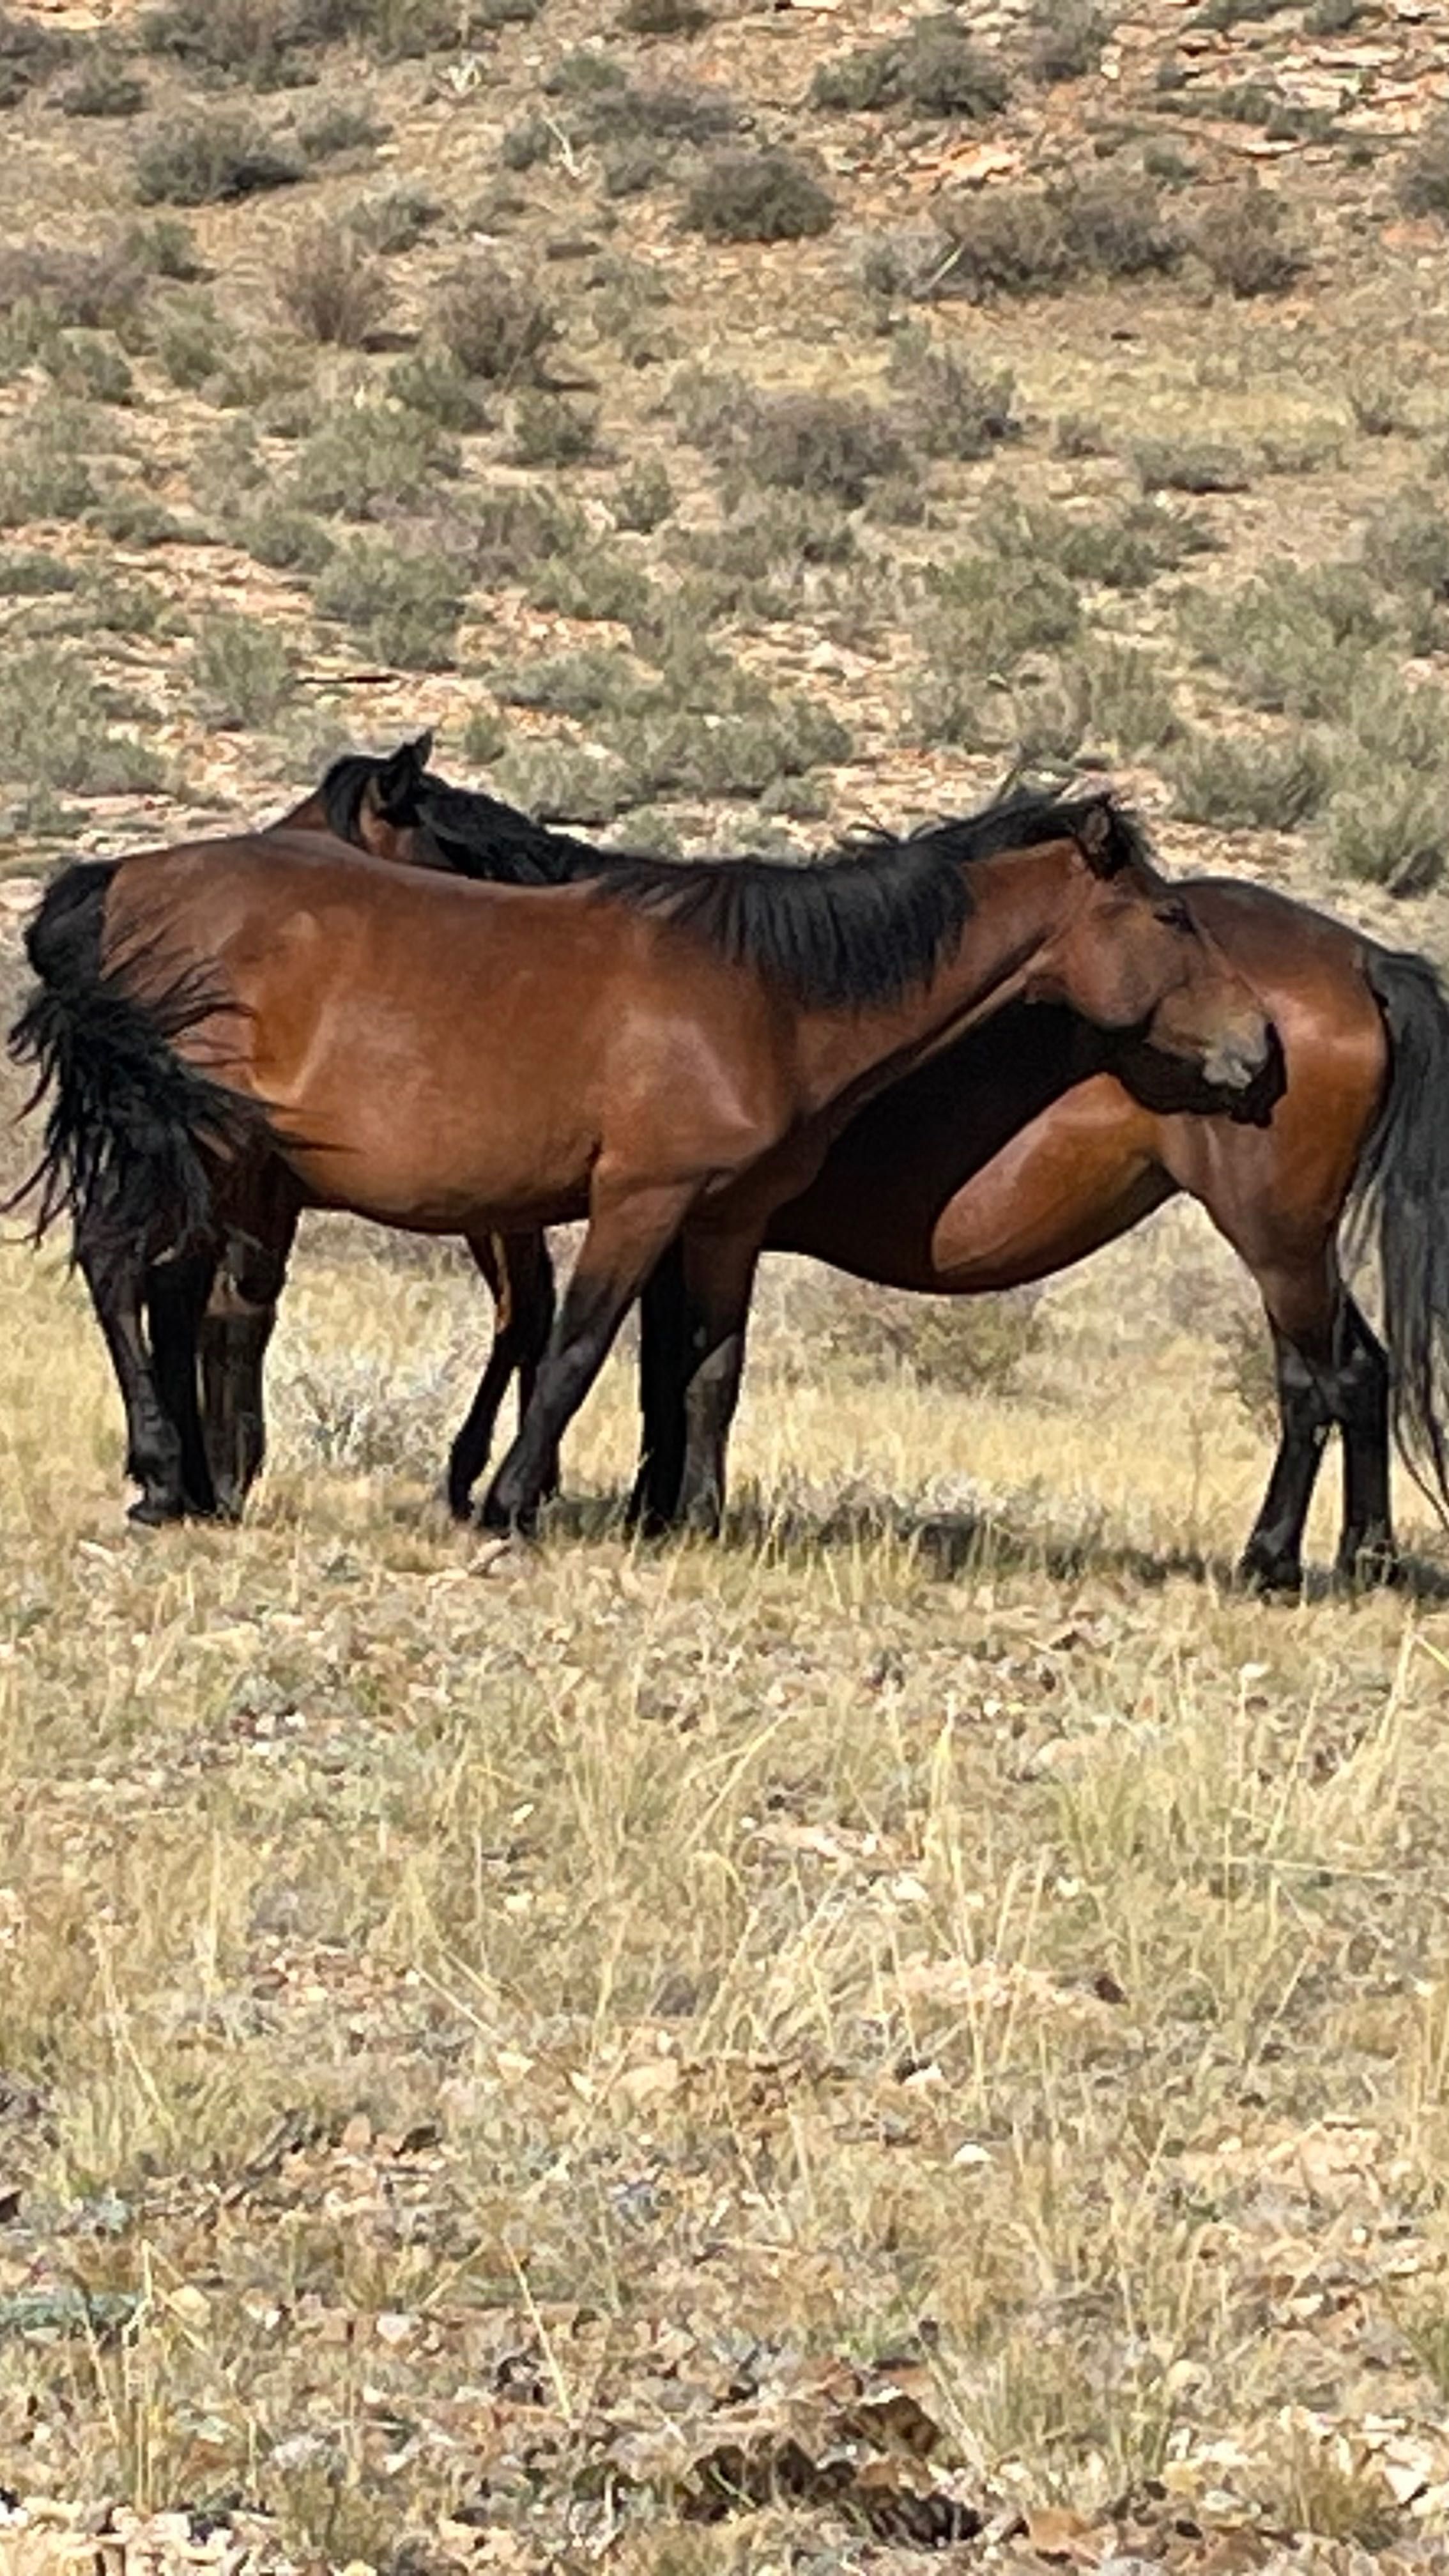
[133,1130]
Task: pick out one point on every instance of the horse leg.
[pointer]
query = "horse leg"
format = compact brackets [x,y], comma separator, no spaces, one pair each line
[1272,1561]
[1366,1550]
[627,1232]
[663,1376]
[719,1273]
[519,1272]
[176,1297]
[235,1332]
[117,1284]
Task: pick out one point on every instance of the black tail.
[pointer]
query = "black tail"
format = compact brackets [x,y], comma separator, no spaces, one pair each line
[132,1129]
[1400,1204]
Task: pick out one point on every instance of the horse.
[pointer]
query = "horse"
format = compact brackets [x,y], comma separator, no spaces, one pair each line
[223,1027]
[1012,1155]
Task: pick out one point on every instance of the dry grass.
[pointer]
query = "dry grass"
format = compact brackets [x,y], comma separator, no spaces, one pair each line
[468,2010]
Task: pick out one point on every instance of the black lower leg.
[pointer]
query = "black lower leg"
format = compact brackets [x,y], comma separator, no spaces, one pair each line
[1361,1401]
[1273,1556]
[663,1377]
[176,1295]
[233,1353]
[153,1443]
[587,1323]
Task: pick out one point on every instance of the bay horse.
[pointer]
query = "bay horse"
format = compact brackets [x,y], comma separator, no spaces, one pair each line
[1018,1151]
[228,1026]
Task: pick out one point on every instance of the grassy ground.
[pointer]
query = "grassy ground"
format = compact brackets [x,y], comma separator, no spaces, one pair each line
[936,2009]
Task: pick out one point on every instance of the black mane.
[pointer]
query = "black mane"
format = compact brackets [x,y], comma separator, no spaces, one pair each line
[859,926]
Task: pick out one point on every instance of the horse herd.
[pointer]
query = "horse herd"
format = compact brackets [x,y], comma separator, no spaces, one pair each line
[952,1062]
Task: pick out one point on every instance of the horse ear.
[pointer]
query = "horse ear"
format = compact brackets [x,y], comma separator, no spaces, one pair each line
[399,774]
[1098,841]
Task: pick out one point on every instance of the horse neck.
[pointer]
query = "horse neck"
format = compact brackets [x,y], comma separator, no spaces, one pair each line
[1017,898]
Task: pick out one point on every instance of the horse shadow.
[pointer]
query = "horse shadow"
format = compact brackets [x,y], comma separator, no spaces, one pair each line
[955,1545]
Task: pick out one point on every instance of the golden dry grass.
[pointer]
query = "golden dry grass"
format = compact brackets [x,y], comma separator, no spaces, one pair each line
[494,2017]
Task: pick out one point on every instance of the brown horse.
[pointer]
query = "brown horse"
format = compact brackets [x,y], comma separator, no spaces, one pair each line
[1023,1148]
[664,1052]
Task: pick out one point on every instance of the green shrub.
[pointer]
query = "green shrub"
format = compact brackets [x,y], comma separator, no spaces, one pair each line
[103,86]
[432,382]
[644,499]
[329,288]
[1292,646]
[1389,828]
[1004,241]
[132,518]
[243,672]
[493,323]
[562,782]
[586,683]
[547,430]
[1117,227]
[1244,242]
[404,605]
[758,196]
[1256,783]
[43,474]
[663,17]
[395,220]
[1377,395]
[1123,552]
[772,532]
[59,733]
[997,610]
[372,460]
[84,290]
[671,112]
[933,69]
[246,40]
[28,573]
[1066,38]
[338,128]
[524,145]
[165,246]
[88,365]
[29,53]
[944,407]
[743,751]
[1406,544]
[511,530]
[1424,173]
[1189,465]
[287,541]
[585,72]
[596,582]
[1128,703]
[485,737]
[830,445]
[967,1345]
[206,156]
[190,340]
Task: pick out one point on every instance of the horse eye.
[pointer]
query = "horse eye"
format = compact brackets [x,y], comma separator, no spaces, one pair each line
[1175,916]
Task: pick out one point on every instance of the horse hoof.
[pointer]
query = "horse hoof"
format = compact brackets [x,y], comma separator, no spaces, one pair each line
[150,1513]
[1369,1569]
[1259,1572]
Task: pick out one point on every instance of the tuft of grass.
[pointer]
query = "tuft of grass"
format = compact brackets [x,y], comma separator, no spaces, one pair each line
[1246,243]
[1128,706]
[190,340]
[288,540]
[403,603]
[242,674]
[207,156]
[758,197]
[330,289]
[493,323]
[44,472]
[934,70]
[591,581]
[829,445]
[1390,829]
[1267,783]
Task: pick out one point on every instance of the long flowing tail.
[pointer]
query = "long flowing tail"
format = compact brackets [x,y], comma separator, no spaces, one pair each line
[132,1128]
[1400,1206]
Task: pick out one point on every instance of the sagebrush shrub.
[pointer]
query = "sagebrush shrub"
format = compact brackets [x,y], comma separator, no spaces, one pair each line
[759,197]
